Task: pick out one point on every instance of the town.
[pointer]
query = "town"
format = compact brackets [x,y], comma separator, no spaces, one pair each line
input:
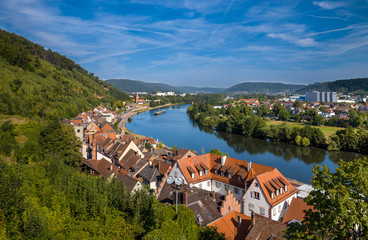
[217,188]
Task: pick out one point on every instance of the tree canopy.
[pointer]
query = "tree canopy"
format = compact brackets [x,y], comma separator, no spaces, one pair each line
[340,202]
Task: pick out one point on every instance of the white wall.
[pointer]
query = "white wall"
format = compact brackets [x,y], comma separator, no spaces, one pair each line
[176,172]
[261,202]
[280,208]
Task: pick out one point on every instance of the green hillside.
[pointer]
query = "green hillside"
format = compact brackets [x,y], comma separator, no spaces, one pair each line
[128,85]
[356,85]
[35,81]
[264,88]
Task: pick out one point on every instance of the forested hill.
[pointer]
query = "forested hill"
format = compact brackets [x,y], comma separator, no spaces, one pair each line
[264,87]
[36,81]
[128,85]
[356,85]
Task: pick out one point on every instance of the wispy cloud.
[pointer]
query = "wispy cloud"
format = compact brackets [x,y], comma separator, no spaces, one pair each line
[304,42]
[330,4]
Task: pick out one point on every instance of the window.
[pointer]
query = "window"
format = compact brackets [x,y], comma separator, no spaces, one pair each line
[251,206]
[222,173]
[285,204]
[208,184]
[277,192]
[236,190]
[285,188]
[272,196]
[274,211]
[240,178]
[218,184]
[78,130]
[255,195]
[281,191]
[280,208]
[227,187]
[256,184]
[216,172]
[192,175]
[228,208]
[176,174]
[201,173]
[205,172]
[229,175]
[261,211]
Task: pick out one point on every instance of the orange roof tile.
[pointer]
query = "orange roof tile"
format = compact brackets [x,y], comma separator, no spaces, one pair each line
[228,225]
[272,181]
[296,210]
[213,162]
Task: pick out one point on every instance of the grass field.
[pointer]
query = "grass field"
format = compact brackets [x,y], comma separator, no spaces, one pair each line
[327,130]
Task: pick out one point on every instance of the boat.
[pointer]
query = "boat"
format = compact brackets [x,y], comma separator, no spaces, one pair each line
[159,112]
[130,119]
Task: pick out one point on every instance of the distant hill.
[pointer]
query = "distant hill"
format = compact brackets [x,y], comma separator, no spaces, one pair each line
[188,89]
[263,87]
[39,82]
[128,85]
[355,85]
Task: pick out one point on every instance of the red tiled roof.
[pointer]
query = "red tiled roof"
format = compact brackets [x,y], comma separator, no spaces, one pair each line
[228,225]
[272,181]
[213,162]
[264,229]
[296,210]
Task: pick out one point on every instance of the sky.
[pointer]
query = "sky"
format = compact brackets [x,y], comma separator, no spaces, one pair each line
[213,43]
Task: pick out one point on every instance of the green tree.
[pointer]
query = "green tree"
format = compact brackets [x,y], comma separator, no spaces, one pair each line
[283,115]
[339,201]
[317,120]
[305,142]
[218,152]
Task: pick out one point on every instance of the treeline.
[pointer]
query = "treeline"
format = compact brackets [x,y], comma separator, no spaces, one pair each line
[40,83]
[355,85]
[43,195]
[242,120]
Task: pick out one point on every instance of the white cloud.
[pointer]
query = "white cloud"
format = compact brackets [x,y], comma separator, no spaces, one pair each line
[329,4]
[303,42]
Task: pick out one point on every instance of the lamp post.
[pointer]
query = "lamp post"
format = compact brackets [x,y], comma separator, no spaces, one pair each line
[176,184]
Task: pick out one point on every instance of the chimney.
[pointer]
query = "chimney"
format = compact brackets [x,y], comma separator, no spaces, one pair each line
[239,220]
[223,160]
[185,198]
[249,165]
[176,152]
[213,196]
[94,148]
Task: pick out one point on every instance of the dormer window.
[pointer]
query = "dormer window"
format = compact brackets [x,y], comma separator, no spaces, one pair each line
[285,188]
[222,173]
[201,173]
[192,175]
[272,196]
[229,175]
[281,191]
[216,172]
[205,172]
[277,192]
[240,178]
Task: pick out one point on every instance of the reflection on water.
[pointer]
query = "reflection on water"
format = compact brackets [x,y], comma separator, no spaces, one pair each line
[175,128]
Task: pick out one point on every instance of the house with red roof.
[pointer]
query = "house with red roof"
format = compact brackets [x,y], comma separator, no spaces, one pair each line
[261,189]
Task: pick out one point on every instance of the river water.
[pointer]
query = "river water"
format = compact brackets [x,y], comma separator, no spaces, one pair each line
[174,128]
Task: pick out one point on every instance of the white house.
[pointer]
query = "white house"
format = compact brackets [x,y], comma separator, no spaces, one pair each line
[259,188]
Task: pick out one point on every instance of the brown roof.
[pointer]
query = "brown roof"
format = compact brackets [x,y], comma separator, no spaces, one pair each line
[129,160]
[128,181]
[263,228]
[296,210]
[104,167]
[161,166]
[229,225]
[212,161]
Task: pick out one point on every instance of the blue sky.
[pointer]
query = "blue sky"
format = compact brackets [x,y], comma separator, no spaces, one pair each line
[201,43]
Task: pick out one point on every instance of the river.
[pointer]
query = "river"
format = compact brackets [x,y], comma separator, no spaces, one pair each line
[175,128]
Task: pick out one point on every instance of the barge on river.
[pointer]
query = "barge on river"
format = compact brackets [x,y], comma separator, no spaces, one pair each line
[160,112]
